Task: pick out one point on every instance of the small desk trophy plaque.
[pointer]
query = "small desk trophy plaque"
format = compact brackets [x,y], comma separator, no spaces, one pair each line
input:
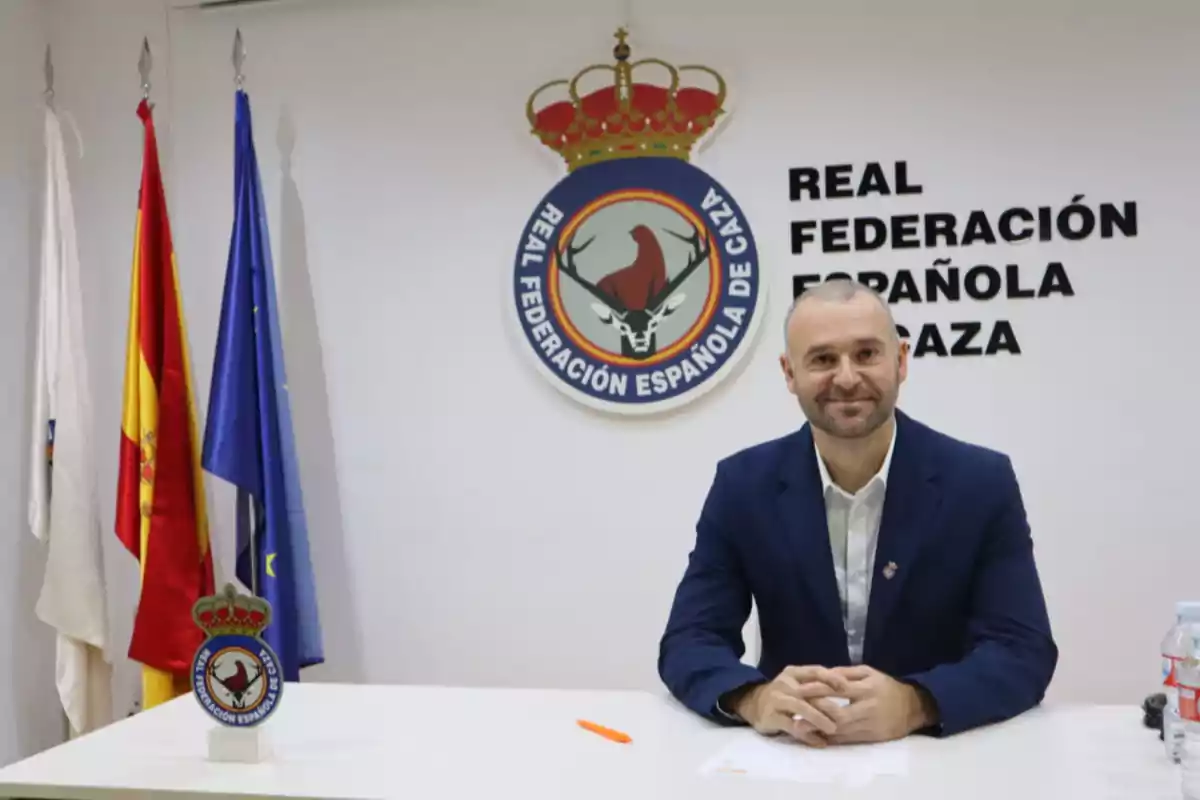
[236,675]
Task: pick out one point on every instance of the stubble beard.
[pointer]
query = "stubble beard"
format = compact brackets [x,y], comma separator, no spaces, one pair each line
[853,427]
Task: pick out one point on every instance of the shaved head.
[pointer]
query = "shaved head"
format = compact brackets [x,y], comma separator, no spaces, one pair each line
[838,290]
[843,358]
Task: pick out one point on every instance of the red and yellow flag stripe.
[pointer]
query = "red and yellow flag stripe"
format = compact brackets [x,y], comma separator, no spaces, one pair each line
[161,516]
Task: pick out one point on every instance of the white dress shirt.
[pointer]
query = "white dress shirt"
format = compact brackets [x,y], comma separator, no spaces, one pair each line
[853,521]
[853,534]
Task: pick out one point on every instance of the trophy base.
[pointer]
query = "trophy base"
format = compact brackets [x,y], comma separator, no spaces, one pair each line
[239,745]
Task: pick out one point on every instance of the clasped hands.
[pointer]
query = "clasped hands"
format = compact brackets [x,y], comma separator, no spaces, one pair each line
[798,703]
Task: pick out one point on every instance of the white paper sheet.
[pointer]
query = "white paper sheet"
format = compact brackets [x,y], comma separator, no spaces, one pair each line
[778,758]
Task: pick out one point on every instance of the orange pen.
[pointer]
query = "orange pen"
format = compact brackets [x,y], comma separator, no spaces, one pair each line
[607,733]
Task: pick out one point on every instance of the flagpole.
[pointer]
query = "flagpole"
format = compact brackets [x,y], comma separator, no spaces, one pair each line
[256,516]
[144,64]
[239,58]
[48,68]
[49,72]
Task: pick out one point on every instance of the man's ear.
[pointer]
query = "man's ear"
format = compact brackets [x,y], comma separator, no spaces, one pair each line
[902,367]
[789,372]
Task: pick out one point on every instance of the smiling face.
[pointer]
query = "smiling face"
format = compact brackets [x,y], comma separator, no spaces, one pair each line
[844,363]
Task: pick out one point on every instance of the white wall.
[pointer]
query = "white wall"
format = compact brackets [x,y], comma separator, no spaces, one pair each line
[472,526]
[29,720]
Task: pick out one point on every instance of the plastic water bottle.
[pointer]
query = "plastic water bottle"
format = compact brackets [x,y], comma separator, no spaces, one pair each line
[1176,646]
[1188,682]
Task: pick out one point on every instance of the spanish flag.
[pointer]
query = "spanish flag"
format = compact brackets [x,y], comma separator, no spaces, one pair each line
[160,492]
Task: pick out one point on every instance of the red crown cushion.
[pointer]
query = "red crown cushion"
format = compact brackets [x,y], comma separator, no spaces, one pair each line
[604,103]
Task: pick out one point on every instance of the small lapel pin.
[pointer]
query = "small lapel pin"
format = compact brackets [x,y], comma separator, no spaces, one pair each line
[889,571]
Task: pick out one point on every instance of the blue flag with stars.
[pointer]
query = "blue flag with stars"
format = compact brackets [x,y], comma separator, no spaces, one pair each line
[248,439]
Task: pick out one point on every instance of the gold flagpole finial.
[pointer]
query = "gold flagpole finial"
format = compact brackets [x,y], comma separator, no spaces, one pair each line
[144,65]
[49,72]
[239,58]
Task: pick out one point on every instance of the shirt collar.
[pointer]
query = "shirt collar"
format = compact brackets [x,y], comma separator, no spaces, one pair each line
[880,477]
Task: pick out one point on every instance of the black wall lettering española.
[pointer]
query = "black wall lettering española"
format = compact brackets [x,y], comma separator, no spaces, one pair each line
[945,282]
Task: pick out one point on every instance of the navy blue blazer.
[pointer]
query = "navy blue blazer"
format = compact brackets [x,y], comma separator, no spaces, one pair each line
[963,614]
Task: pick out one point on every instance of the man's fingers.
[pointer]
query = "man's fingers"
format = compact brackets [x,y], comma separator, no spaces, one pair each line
[812,738]
[775,722]
[855,673]
[856,715]
[804,732]
[816,674]
[860,690]
[820,712]
[794,688]
[819,707]
[835,711]
[859,681]
[802,674]
[861,729]
[805,710]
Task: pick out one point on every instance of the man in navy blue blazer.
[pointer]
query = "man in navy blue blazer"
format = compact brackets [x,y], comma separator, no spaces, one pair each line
[891,565]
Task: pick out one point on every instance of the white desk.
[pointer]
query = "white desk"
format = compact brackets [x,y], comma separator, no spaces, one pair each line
[343,741]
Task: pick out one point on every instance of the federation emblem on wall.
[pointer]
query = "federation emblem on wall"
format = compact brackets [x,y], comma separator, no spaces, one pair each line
[636,281]
[235,674]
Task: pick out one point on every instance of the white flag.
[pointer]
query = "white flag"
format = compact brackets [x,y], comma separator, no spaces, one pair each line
[63,511]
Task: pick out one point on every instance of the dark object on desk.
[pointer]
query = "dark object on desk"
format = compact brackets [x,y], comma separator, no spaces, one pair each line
[1153,716]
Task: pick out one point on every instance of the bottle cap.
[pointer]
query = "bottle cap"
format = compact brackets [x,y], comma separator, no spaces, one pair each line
[1188,610]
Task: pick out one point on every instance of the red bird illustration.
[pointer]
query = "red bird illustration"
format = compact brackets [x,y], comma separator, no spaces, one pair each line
[636,284]
[636,298]
[238,683]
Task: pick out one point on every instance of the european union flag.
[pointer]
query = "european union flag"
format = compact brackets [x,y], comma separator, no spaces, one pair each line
[249,440]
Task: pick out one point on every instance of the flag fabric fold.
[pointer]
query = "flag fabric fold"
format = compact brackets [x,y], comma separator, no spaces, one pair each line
[249,439]
[161,517]
[63,505]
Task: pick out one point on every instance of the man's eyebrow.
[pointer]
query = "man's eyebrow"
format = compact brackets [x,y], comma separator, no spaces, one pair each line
[822,346]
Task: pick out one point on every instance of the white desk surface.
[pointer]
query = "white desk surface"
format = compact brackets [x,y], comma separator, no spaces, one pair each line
[336,741]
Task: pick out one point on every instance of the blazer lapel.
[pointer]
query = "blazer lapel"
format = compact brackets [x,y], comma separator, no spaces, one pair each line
[806,531]
[909,517]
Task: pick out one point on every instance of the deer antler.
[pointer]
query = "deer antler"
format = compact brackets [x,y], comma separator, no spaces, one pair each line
[701,246]
[566,264]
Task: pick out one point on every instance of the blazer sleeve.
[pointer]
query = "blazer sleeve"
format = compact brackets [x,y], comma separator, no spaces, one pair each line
[701,649]
[1012,655]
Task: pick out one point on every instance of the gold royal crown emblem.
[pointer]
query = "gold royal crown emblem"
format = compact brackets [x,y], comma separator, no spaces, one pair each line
[628,119]
[231,613]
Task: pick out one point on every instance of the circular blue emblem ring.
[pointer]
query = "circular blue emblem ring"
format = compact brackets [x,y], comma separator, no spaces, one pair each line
[637,284]
[237,679]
